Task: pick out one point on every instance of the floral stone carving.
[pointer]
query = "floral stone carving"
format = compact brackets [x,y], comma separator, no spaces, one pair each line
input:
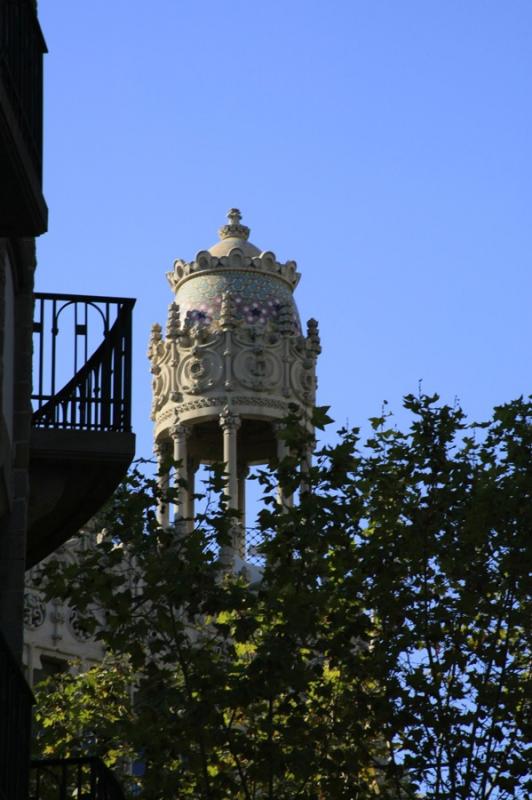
[34,610]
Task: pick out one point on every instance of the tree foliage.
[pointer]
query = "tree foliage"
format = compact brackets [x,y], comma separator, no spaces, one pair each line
[385,651]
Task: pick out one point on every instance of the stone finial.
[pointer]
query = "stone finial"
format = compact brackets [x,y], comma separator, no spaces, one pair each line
[173,324]
[285,320]
[155,337]
[234,228]
[313,336]
[228,318]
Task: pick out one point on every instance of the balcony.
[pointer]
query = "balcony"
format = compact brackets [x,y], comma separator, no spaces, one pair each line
[88,778]
[16,701]
[81,442]
[23,209]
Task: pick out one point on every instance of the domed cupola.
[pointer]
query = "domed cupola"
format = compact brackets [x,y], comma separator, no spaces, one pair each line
[232,361]
[260,286]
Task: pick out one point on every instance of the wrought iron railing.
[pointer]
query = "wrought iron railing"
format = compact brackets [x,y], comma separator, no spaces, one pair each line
[21,56]
[83,345]
[62,778]
[16,701]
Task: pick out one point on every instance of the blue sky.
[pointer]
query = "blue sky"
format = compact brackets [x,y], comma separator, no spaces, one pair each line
[384,145]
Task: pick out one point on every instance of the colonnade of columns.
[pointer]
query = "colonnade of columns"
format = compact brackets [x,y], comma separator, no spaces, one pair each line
[175,448]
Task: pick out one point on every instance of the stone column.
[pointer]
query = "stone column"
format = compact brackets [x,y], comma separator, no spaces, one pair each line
[230,424]
[306,464]
[179,433]
[162,453]
[191,476]
[284,500]
[242,474]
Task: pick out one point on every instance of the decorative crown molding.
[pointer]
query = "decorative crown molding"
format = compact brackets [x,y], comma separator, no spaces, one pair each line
[205,263]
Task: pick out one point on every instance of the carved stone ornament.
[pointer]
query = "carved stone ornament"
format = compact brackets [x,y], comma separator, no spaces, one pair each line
[246,360]
[34,611]
[234,228]
[179,431]
[212,402]
[313,337]
[229,420]
[155,339]
[77,627]
[262,402]
[199,371]
[228,317]
[258,368]
[201,402]
[173,324]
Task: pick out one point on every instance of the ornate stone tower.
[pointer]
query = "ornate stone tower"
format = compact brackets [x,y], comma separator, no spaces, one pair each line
[232,360]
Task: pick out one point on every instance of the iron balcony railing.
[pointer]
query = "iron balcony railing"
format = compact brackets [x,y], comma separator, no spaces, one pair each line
[82,362]
[62,778]
[21,70]
[16,701]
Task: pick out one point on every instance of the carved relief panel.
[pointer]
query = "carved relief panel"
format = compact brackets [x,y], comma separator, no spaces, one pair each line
[214,362]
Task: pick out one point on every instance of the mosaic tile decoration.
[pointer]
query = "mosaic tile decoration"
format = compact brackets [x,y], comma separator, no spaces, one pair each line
[257,297]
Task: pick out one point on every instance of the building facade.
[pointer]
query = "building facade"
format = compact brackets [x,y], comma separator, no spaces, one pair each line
[65,437]
[53,635]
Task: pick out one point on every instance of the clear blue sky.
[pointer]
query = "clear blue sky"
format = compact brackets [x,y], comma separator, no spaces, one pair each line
[383,144]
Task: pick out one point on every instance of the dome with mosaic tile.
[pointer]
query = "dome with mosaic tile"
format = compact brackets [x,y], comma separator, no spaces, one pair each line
[260,288]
